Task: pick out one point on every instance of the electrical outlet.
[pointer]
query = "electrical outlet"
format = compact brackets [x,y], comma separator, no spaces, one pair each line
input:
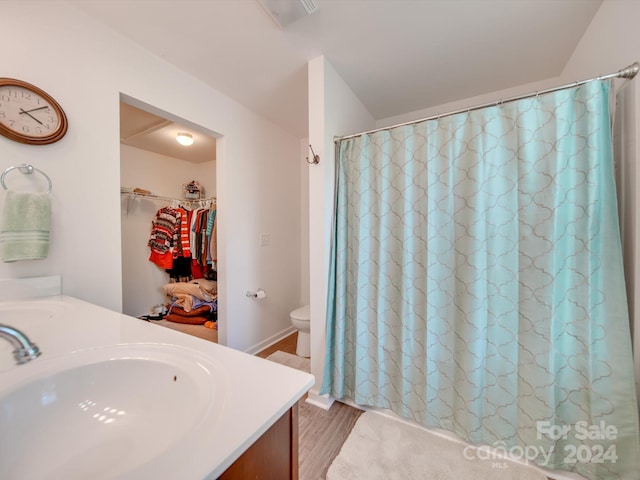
[265,239]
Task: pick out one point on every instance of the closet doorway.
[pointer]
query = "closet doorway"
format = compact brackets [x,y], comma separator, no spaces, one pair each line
[159,176]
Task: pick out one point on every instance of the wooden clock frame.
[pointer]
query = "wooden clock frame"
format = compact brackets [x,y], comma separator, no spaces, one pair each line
[30,139]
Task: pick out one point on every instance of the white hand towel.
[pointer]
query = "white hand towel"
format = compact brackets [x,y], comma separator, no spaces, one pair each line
[25,225]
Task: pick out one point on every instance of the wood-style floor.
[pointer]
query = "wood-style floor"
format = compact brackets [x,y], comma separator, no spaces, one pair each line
[321,433]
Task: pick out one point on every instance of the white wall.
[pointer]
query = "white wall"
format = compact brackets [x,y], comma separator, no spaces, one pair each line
[162,175]
[304,220]
[609,44]
[468,102]
[334,110]
[86,67]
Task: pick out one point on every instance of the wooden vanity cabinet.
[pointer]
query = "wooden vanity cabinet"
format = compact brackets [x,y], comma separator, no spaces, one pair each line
[274,456]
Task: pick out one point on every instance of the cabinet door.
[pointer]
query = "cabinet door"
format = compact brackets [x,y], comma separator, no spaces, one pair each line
[274,456]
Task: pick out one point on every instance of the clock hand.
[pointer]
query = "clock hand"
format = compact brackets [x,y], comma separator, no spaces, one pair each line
[33,109]
[23,111]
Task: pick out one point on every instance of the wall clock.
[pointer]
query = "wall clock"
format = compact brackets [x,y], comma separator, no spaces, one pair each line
[29,114]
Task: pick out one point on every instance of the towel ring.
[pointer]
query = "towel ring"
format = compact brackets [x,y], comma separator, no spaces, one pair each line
[26,169]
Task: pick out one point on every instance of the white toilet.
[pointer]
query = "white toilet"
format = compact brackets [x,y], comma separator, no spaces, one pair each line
[300,319]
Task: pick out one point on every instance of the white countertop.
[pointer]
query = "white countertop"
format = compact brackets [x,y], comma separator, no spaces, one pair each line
[251,395]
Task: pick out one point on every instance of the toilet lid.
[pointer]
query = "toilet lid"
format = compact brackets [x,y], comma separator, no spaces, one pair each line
[301,313]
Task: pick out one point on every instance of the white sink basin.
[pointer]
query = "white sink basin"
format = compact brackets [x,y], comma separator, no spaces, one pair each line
[106,412]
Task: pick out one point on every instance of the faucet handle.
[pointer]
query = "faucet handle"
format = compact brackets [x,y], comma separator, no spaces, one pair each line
[26,354]
[24,350]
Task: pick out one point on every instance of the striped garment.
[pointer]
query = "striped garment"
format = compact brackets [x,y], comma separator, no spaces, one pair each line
[184,233]
[165,236]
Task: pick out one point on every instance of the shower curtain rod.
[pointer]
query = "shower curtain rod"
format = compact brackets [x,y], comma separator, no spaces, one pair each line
[628,72]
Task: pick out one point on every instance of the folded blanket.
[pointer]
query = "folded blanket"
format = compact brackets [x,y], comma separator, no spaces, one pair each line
[26,221]
[184,300]
[180,288]
[197,320]
[188,302]
[205,285]
[203,310]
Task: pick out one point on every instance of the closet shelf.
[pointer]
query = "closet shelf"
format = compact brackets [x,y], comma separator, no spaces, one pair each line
[188,201]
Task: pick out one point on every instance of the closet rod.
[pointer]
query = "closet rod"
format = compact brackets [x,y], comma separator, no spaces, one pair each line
[168,199]
[628,72]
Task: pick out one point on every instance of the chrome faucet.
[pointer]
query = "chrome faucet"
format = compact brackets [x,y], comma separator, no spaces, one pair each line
[24,349]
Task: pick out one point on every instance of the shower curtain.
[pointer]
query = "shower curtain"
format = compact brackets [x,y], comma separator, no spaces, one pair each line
[476,281]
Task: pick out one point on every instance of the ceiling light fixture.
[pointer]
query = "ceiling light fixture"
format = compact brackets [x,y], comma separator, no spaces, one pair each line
[185,139]
[284,12]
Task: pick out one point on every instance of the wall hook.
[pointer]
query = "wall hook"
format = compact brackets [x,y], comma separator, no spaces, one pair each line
[316,158]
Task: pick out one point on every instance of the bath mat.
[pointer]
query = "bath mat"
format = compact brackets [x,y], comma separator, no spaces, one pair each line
[382,448]
[290,360]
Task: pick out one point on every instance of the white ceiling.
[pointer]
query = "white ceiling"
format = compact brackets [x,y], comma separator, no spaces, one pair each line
[396,55]
[147,131]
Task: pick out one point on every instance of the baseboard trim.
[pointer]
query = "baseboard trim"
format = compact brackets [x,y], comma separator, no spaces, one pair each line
[351,403]
[321,401]
[258,347]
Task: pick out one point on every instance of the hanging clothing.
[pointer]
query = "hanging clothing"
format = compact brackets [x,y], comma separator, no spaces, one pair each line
[180,270]
[195,233]
[476,280]
[182,242]
[164,236]
[192,232]
[212,255]
[202,236]
[185,251]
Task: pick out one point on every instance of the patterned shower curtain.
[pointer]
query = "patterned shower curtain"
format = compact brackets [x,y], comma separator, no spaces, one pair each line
[477,282]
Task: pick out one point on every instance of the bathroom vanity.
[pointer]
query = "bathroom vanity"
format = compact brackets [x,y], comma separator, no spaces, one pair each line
[274,456]
[114,396]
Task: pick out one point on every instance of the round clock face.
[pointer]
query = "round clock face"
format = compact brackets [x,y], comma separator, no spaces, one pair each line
[28,114]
